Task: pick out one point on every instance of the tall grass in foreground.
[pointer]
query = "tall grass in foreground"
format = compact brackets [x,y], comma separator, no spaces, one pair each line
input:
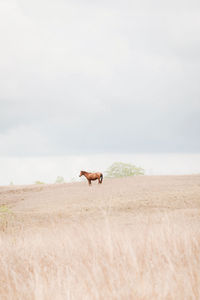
[101,260]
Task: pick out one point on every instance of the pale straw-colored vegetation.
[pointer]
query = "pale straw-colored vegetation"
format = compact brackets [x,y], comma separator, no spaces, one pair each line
[151,253]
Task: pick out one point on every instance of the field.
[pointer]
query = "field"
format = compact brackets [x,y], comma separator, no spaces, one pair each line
[129,238]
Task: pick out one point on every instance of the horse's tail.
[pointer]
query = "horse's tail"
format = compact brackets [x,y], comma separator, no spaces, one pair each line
[101,178]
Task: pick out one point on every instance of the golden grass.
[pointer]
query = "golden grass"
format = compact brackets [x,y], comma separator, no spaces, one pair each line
[101,260]
[104,255]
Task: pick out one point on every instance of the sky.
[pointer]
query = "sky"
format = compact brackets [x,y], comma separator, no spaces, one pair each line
[88,77]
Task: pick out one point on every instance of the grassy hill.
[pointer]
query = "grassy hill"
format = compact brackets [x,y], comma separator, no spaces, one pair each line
[129,238]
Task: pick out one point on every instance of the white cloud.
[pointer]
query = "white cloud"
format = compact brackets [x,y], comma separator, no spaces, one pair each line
[100,76]
[23,140]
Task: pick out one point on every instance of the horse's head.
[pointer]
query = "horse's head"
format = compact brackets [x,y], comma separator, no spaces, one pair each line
[81,173]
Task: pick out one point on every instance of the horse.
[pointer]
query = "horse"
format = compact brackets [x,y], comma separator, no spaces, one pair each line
[92,176]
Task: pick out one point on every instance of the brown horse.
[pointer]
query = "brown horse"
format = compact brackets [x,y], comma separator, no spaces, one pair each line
[92,176]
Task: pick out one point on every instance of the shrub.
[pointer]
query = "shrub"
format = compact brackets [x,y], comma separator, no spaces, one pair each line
[120,169]
[60,179]
[39,182]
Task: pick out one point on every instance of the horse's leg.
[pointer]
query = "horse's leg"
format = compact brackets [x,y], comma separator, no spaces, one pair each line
[99,180]
[89,181]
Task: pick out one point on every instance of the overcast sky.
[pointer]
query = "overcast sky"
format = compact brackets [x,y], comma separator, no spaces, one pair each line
[81,77]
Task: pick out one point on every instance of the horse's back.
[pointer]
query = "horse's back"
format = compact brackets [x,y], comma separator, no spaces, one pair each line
[95,176]
[98,174]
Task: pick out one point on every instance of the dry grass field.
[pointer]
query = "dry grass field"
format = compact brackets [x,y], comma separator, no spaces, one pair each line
[129,238]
